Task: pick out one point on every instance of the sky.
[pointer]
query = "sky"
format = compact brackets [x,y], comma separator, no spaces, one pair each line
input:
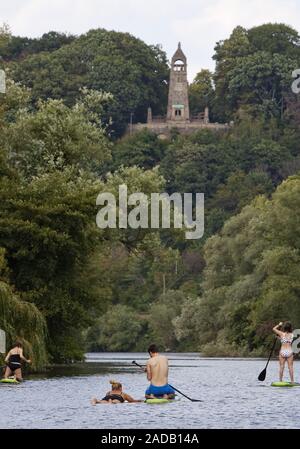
[197,24]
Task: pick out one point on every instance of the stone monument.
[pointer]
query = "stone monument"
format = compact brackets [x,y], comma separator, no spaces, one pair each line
[178,102]
[178,111]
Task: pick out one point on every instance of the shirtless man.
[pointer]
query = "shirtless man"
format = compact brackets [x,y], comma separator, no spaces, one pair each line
[157,373]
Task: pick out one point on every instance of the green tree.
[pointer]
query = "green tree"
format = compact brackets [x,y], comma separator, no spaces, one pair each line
[108,61]
[5,37]
[201,92]
[48,232]
[21,320]
[162,314]
[17,47]
[259,82]
[253,67]
[53,138]
[226,53]
[119,329]
[239,190]
[143,149]
[251,279]
[276,38]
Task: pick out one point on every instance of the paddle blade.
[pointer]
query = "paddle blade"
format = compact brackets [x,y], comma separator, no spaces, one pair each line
[262,375]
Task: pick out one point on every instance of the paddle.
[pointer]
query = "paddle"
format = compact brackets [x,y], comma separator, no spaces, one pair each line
[262,375]
[178,391]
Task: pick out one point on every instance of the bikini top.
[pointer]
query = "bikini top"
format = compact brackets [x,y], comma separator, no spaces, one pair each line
[116,397]
[287,338]
[15,358]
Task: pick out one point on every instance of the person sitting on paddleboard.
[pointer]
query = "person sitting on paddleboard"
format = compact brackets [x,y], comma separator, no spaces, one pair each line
[157,370]
[115,395]
[285,333]
[13,361]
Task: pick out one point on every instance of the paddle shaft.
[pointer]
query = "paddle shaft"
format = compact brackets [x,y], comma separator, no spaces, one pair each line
[178,391]
[263,374]
[273,347]
[182,394]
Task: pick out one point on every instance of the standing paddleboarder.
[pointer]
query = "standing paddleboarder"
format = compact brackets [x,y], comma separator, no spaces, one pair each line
[285,333]
[157,369]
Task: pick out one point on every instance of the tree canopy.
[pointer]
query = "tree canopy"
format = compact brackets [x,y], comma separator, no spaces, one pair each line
[66,285]
[58,66]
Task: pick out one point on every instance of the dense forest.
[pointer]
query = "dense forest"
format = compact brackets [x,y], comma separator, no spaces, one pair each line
[67,286]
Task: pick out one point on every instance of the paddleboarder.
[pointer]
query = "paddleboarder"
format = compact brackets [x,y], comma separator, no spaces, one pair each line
[13,361]
[157,370]
[115,395]
[285,333]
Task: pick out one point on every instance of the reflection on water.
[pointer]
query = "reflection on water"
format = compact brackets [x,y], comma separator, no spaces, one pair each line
[233,398]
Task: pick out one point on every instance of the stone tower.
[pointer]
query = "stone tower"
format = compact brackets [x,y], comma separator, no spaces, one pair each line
[178,103]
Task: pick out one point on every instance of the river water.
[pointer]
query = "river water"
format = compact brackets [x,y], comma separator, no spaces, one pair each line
[232,396]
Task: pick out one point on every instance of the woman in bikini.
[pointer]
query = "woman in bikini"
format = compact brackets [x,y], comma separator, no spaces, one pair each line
[115,395]
[285,333]
[13,361]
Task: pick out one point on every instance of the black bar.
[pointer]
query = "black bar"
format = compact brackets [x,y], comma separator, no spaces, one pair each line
[97,438]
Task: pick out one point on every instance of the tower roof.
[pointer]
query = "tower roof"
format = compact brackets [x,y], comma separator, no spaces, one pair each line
[179,55]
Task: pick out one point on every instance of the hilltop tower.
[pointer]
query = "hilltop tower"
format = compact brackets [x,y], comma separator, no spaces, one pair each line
[178,102]
[178,112]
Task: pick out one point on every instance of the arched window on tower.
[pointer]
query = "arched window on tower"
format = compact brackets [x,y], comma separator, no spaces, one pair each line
[179,66]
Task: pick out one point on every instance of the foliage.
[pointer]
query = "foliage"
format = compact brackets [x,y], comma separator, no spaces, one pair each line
[21,320]
[108,61]
[143,149]
[67,285]
[253,69]
[251,279]
[163,312]
[119,329]
[48,232]
[201,92]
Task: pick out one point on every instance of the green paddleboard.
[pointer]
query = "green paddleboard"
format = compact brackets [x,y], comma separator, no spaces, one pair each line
[284,384]
[159,401]
[9,381]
